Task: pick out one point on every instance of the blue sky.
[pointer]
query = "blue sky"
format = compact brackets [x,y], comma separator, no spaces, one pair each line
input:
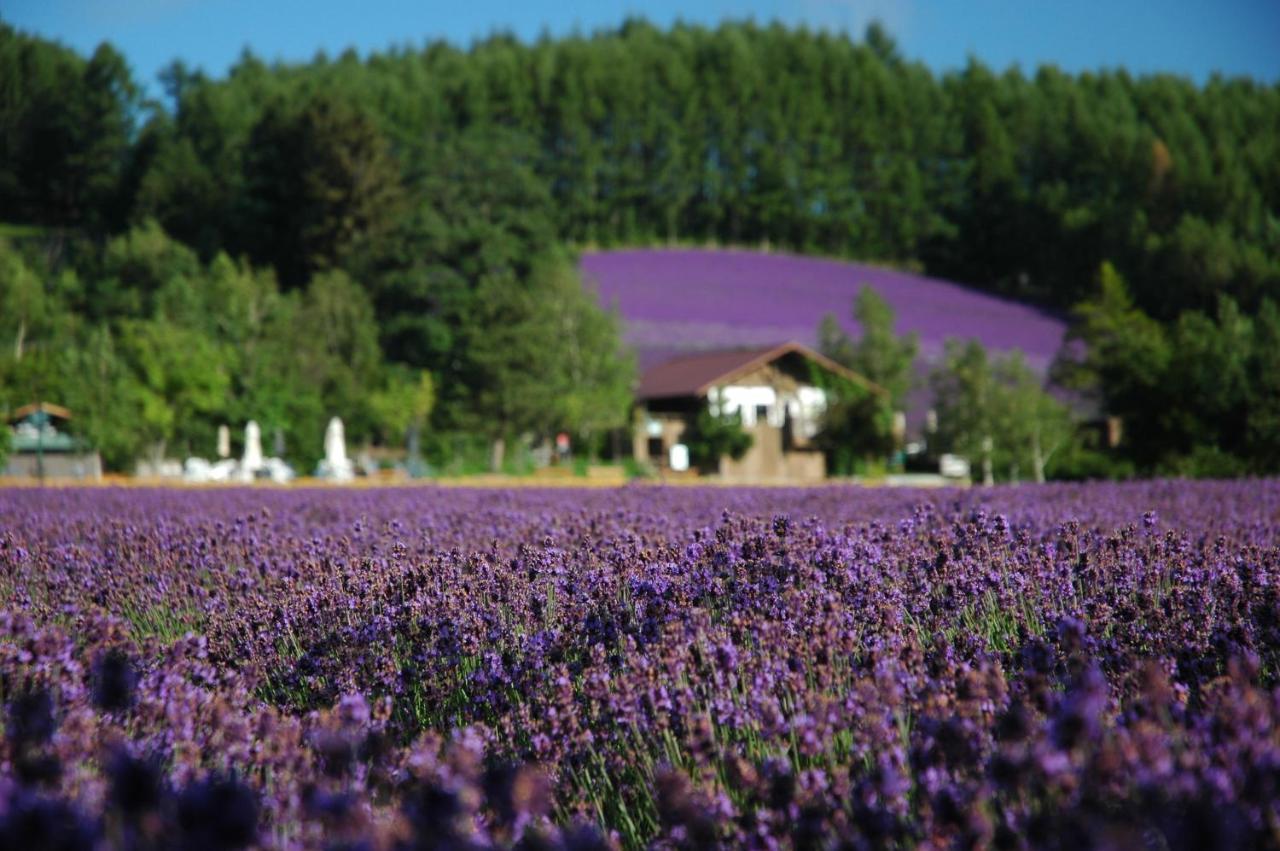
[1190,37]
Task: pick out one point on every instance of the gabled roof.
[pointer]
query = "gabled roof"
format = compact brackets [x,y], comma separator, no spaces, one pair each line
[695,375]
[47,407]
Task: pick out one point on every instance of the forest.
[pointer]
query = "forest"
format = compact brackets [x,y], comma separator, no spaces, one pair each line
[393,235]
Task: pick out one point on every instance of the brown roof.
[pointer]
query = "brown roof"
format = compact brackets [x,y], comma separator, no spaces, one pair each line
[695,375]
[48,407]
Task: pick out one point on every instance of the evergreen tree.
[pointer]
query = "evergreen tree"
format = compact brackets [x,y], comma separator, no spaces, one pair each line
[319,178]
[1120,356]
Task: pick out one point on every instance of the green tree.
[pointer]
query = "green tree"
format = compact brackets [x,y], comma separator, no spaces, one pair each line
[857,425]
[403,404]
[65,132]
[1120,357]
[281,381]
[996,413]
[6,444]
[1195,397]
[439,177]
[1036,426]
[335,340]
[106,399]
[1262,429]
[859,420]
[510,351]
[180,384]
[27,307]
[100,121]
[880,354]
[319,177]
[479,212]
[1020,183]
[712,436]
[594,372]
[1211,363]
[967,402]
[133,270]
[543,357]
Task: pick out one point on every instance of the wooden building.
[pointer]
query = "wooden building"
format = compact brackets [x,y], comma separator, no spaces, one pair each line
[772,390]
[42,450]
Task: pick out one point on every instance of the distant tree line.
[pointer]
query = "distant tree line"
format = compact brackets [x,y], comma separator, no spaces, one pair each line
[1022,183]
[435,188]
[182,280]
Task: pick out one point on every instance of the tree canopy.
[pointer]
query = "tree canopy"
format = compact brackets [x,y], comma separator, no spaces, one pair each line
[1021,183]
[859,422]
[339,227]
[1197,396]
[996,413]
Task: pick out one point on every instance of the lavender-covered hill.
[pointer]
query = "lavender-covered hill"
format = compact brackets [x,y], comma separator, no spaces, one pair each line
[680,300]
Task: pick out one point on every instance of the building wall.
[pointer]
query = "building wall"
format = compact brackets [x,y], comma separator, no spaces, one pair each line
[56,465]
[769,461]
[670,428]
[781,392]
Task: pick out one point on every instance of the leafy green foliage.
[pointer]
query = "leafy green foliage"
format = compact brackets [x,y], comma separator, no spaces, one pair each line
[1197,397]
[402,404]
[480,220]
[880,354]
[857,427]
[319,176]
[858,423]
[593,372]
[543,357]
[177,347]
[27,310]
[1020,183]
[419,193]
[180,381]
[996,413]
[712,436]
[65,132]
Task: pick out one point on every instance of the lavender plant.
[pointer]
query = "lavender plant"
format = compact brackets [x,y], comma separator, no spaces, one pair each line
[1057,667]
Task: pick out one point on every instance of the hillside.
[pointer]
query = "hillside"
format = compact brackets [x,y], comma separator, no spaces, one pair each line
[680,300]
[291,241]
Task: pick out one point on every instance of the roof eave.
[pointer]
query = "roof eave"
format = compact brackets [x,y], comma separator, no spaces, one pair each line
[776,352]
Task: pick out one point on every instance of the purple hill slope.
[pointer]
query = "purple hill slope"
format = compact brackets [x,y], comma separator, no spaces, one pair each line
[676,301]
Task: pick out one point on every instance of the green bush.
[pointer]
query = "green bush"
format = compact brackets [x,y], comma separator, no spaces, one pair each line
[1082,464]
[1206,462]
[713,436]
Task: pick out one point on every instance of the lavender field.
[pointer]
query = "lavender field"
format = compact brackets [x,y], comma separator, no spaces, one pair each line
[1060,667]
[674,301]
